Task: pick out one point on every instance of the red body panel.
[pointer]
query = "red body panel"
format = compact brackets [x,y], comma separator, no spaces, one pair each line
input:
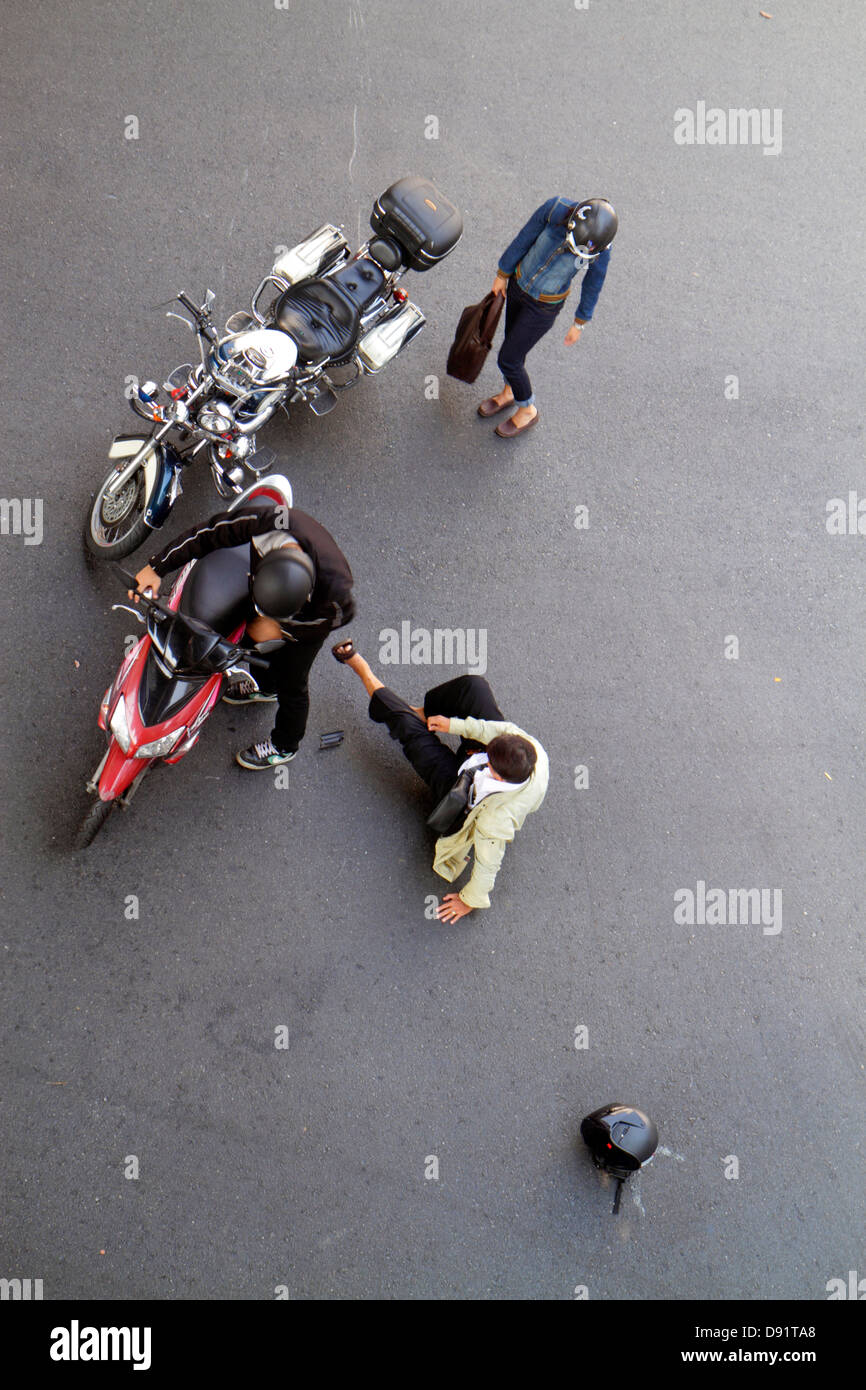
[121,769]
[119,772]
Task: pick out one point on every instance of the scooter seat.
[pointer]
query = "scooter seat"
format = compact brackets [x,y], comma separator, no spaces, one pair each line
[322,321]
[217,589]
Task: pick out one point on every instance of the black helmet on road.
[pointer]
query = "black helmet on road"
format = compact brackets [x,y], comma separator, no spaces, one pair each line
[282,582]
[591,228]
[621,1140]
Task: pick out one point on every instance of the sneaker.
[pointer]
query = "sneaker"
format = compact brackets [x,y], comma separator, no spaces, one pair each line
[246,692]
[263,755]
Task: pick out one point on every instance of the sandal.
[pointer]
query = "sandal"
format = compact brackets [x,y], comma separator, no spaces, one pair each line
[343,651]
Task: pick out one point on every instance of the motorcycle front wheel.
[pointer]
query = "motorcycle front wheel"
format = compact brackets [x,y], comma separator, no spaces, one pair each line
[93,823]
[115,523]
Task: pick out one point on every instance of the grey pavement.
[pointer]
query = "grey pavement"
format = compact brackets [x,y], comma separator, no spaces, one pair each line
[304,907]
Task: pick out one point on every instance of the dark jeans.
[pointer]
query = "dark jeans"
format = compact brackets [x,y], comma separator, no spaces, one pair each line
[464,697]
[289,668]
[526,321]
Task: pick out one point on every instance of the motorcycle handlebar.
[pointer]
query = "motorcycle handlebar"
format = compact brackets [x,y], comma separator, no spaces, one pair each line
[201,317]
[129,580]
[184,299]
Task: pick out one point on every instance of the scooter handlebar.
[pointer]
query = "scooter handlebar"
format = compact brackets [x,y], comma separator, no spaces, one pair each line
[149,601]
[129,580]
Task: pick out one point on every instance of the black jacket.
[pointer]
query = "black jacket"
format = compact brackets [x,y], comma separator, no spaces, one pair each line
[331,603]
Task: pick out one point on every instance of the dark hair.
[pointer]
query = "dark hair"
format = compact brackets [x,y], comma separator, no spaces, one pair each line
[512,756]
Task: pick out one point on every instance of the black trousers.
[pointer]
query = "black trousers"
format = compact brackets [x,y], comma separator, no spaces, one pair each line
[526,321]
[287,676]
[464,697]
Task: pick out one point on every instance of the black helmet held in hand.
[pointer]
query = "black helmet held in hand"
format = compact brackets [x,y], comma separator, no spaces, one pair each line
[591,228]
[282,583]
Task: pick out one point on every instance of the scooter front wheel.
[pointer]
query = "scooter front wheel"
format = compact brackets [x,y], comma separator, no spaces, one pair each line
[115,524]
[93,823]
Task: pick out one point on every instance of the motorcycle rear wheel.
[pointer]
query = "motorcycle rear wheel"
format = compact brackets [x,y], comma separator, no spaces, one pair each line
[116,525]
[93,823]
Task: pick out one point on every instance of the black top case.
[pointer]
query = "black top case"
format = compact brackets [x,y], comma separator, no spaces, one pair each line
[425,223]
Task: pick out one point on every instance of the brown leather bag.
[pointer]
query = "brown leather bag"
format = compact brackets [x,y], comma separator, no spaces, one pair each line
[474,337]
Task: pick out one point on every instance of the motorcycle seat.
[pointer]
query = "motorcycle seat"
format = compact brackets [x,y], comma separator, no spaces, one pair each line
[217,589]
[320,317]
[361,280]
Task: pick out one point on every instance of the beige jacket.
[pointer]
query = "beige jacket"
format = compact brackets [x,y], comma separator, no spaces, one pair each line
[492,823]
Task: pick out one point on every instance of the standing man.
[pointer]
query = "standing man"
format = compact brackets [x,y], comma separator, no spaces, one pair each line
[504,772]
[560,238]
[300,590]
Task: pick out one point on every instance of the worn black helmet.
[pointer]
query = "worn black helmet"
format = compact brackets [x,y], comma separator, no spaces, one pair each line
[591,228]
[282,582]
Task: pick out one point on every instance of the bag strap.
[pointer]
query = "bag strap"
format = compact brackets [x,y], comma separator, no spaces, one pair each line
[493,304]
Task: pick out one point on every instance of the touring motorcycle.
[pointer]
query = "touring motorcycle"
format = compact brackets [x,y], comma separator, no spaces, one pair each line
[170,682]
[320,320]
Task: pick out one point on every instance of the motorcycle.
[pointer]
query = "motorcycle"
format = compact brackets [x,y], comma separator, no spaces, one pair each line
[169,683]
[320,320]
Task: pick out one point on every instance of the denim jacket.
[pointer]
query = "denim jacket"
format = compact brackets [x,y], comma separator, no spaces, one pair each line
[544,267]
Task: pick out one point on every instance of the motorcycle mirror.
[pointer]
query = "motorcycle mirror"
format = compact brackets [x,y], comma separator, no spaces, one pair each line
[178,380]
[209,298]
[239,322]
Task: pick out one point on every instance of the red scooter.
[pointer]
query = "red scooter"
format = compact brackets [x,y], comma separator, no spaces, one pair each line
[170,681]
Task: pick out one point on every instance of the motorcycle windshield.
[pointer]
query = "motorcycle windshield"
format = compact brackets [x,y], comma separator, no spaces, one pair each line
[161,695]
[184,654]
[186,648]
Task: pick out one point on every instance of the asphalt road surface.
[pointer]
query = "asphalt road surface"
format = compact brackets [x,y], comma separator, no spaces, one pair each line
[708,416]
